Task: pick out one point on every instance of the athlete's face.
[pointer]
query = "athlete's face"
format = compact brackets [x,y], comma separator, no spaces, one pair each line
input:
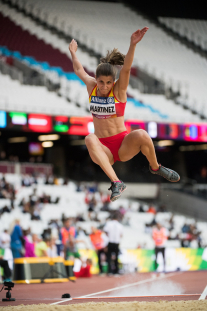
[104,84]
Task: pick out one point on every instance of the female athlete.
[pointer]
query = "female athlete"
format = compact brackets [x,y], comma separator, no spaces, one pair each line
[110,141]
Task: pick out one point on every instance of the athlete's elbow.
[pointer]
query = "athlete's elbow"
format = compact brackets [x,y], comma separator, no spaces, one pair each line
[127,69]
[75,70]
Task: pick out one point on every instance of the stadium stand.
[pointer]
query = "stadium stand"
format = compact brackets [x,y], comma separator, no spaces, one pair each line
[167,59]
[36,99]
[193,30]
[41,43]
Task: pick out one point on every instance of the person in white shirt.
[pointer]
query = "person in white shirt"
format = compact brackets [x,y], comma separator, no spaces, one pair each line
[114,231]
[5,241]
[52,248]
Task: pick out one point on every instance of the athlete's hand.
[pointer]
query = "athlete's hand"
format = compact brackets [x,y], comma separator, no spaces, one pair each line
[138,35]
[73,46]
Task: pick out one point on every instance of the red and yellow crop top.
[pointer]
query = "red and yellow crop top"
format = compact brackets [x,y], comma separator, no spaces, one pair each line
[105,107]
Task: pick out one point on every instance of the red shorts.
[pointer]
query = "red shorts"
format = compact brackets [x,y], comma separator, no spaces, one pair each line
[114,143]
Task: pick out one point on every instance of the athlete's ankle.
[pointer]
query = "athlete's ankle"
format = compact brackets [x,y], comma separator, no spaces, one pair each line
[116,180]
[155,167]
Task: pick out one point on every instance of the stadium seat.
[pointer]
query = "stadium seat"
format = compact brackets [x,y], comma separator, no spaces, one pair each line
[155,108]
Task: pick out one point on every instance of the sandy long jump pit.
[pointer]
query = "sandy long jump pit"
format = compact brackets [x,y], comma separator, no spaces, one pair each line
[113,306]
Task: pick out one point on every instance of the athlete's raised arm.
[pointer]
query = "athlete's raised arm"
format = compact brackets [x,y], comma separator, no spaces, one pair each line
[78,68]
[124,75]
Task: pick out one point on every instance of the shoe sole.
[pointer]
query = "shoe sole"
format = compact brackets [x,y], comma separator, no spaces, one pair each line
[165,177]
[116,197]
[168,179]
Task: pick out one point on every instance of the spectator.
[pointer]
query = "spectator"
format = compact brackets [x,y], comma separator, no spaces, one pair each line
[17,240]
[202,178]
[26,208]
[41,247]
[33,197]
[70,248]
[4,209]
[162,208]
[79,187]
[91,206]
[37,209]
[52,248]
[7,190]
[26,182]
[80,217]
[152,210]
[45,198]
[84,270]
[55,181]
[114,231]
[28,245]
[99,241]
[5,239]
[104,197]
[148,229]
[141,209]
[171,223]
[67,230]
[185,228]
[65,182]
[7,272]
[49,180]
[5,245]
[122,211]
[2,155]
[189,234]
[153,222]
[159,235]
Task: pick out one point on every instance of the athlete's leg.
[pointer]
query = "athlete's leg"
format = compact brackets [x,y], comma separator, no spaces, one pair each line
[101,155]
[137,141]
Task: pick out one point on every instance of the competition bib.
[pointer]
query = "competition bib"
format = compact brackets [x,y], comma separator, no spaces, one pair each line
[103,107]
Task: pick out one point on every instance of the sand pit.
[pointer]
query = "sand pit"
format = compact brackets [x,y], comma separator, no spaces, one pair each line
[189,305]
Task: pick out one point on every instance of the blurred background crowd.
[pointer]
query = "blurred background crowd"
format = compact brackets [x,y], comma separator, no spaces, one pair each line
[94,223]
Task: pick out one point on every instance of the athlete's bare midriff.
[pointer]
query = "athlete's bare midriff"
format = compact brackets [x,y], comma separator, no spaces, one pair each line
[108,127]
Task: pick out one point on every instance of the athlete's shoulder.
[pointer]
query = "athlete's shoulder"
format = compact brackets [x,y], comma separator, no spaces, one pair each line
[92,91]
[120,97]
[91,85]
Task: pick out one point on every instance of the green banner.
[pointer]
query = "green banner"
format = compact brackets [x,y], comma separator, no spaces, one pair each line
[2,251]
[183,259]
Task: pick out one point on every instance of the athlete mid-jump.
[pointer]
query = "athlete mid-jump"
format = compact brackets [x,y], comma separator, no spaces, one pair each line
[110,141]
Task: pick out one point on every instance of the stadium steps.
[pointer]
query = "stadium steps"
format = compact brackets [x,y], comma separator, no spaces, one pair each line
[29,45]
[32,53]
[14,4]
[171,32]
[183,40]
[62,35]
[59,33]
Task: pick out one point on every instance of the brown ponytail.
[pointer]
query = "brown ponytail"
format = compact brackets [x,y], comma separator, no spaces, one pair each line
[106,66]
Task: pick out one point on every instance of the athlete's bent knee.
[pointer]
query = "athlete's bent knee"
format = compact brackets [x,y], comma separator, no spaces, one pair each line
[90,140]
[143,135]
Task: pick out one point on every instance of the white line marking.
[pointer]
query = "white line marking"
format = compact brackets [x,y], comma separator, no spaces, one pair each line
[203,295]
[151,296]
[121,287]
[55,303]
[129,285]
